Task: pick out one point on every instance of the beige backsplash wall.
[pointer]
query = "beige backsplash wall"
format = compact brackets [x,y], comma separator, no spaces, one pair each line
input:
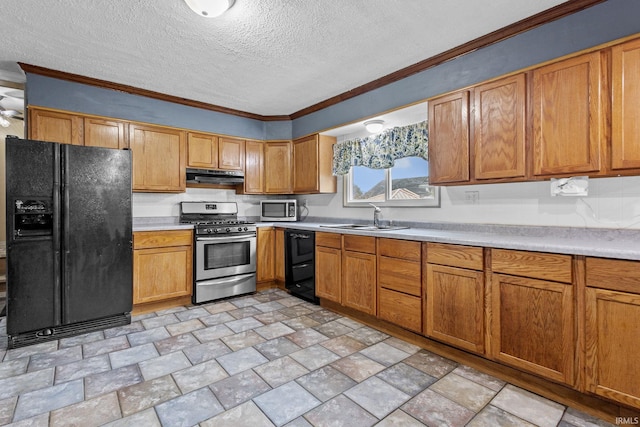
[611,203]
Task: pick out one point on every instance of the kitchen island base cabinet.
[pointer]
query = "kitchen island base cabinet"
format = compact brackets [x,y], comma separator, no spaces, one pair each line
[162,266]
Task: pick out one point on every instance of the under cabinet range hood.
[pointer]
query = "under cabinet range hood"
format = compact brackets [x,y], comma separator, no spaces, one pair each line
[214,176]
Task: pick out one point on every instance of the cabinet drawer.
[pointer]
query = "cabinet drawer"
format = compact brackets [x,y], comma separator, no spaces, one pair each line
[360,244]
[160,239]
[400,275]
[329,240]
[400,309]
[455,255]
[613,274]
[402,249]
[536,265]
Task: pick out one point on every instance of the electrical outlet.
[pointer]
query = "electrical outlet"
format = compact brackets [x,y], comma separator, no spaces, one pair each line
[472,197]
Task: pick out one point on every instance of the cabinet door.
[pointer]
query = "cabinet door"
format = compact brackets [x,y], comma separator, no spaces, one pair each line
[105,133]
[279,255]
[449,138]
[499,128]
[158,158]
[532,325]
[625,120]
[329,273]
[254,168]
[568,116]
[265,267]
[277,166]
[202,150]
[359,281]
[305,165]
[612,336]
[53,126]
[162,273]
[454,306]
[231,153]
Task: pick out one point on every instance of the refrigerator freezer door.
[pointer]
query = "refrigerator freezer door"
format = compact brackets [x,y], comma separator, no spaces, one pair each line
[97,236]
[33,291]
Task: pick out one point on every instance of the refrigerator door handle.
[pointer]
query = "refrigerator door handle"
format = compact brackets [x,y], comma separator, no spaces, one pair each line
[57,209]
[64,213]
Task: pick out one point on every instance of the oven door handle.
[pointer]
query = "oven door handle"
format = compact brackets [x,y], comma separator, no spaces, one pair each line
[233,279]
[221,239]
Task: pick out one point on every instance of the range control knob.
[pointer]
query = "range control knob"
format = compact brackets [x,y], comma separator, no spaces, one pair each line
[246,229]
[227,230]
[216,231]
[239,228]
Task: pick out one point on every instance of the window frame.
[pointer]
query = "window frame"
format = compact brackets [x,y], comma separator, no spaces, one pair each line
[348,201]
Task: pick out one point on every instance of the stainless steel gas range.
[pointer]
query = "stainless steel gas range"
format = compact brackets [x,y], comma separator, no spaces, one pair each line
[225,250]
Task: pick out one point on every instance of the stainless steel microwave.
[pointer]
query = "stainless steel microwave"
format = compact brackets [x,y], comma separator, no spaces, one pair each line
[279,210]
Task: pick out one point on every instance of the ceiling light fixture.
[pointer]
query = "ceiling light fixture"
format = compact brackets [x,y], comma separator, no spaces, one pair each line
[374,126]
[209,8]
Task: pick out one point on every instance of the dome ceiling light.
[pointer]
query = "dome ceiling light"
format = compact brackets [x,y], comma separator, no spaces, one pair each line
[374,126]
[209,8]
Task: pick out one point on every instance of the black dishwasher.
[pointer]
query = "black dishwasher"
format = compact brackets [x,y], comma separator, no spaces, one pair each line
[300,264]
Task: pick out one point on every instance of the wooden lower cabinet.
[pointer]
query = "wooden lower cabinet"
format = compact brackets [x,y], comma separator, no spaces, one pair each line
[329,266]
[265,269]
[279,255]
[612,333]
[455,296]
[359,279]
[533,325]
[400,283]
[162,265]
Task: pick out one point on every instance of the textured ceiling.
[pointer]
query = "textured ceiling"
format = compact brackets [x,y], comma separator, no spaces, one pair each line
[268,57]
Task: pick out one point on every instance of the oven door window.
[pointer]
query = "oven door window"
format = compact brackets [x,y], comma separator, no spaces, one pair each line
[226,255]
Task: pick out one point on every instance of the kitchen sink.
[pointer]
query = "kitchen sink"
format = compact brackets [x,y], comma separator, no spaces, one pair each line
[365,227]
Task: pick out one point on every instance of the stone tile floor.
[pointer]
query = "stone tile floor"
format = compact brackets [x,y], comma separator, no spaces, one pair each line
[258,360]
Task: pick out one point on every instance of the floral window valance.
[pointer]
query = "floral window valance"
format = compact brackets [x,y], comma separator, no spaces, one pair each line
[382,150]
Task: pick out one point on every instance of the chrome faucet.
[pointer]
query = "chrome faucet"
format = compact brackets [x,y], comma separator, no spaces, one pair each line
[376,215]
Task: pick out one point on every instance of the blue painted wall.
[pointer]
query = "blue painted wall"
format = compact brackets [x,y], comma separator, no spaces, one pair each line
[590,27]
[54,93]
[599,24]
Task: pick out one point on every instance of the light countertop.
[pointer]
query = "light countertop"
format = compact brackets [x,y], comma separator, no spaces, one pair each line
[598,242]
[606,243]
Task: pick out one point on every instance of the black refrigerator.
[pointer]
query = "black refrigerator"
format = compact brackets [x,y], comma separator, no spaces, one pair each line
[69,240]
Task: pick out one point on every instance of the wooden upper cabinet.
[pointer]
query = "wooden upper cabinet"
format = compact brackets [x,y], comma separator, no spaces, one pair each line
[312,158]
[202,150]
[499,129]
[625,120]
[254,167]
[568,116]
[54,126]
[231,153]
[277,165]
[159,158]
[449,138]
[105,133]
